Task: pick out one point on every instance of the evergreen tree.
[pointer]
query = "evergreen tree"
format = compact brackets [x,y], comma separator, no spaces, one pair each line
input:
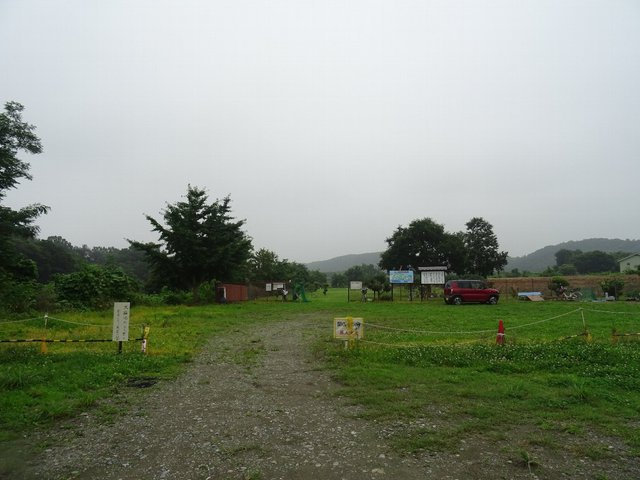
[199,242]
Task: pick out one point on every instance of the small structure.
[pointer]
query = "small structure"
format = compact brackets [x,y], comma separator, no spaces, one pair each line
[632,262]
[229,292]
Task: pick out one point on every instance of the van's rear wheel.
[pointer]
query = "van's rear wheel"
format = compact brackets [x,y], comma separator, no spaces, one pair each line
[492,300]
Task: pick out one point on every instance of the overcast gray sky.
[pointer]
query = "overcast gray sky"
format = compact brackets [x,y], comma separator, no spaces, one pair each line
[330,123]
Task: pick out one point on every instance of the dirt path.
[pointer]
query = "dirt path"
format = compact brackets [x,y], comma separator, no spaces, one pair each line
[255,406]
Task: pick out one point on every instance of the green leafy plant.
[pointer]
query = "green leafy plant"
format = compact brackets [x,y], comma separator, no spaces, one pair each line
[613,287]
[528,460]
[556,284]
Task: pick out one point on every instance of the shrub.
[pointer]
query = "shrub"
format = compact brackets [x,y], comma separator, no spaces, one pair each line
[17,296]
[385,297]
[94,287]
[613,287]
[556,284]
[174,297]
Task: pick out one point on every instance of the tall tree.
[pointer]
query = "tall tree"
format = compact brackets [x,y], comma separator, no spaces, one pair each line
[564,256]
[339,280]
[265,266]
[596,261]
[362,272]
[15,136]
[481,245]
[52,256]
[423,243]
[199,242]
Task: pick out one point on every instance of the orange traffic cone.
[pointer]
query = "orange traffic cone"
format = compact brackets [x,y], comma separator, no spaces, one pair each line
[500,336]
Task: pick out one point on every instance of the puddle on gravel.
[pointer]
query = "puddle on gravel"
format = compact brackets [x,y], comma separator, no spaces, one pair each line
[142,382]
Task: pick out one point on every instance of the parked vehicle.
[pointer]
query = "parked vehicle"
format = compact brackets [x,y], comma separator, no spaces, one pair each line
[469,291]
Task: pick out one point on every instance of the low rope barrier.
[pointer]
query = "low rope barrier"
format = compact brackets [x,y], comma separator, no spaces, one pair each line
[429,332]
[53,340]
[91,324]
[483,334]
[545,320]
[609,312]
[468,332]
[6,322]
[46,318]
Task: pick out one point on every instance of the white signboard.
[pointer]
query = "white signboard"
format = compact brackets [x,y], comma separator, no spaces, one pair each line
[267,287]
[355,285]
[432,277]
[121,321]
[278,286]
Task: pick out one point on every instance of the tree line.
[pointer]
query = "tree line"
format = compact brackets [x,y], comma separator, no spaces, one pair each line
[577,262]
[199,243]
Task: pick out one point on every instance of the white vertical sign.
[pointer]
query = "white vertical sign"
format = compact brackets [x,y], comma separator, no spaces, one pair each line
[121,321]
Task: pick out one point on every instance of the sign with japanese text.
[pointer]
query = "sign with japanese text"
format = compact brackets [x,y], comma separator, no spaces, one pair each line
[121,312]
[348,328]
[432,277]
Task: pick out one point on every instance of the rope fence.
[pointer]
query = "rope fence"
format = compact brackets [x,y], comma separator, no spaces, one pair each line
[46,331]
[389,336]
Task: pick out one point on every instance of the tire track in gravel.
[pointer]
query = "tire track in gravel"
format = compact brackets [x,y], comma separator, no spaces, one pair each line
[253,405]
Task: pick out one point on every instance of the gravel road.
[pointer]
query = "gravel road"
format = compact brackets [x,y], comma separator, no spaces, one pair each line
[256,405]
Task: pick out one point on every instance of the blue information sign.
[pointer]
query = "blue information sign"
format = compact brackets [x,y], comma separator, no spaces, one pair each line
[400,276]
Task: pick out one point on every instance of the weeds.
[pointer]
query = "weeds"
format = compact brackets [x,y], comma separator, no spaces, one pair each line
[528,461]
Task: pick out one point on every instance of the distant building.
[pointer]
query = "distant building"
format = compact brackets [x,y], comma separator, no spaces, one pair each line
[228,292]
[632,262]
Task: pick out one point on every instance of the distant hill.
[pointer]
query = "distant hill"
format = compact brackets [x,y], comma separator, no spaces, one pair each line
[344,262]
[533,262]
[545,257]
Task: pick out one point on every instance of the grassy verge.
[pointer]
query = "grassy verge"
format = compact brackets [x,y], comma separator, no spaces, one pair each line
[38,388]
[437,373]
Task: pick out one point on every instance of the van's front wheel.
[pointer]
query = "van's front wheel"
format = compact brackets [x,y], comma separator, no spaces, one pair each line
[457,300]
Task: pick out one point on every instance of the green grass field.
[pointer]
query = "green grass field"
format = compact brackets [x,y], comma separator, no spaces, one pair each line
[561,372]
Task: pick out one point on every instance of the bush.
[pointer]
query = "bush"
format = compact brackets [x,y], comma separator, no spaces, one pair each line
[612,287]
[171,297]
[207,292]
[17,296]
[46,299]
[556,284]
[94,287]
